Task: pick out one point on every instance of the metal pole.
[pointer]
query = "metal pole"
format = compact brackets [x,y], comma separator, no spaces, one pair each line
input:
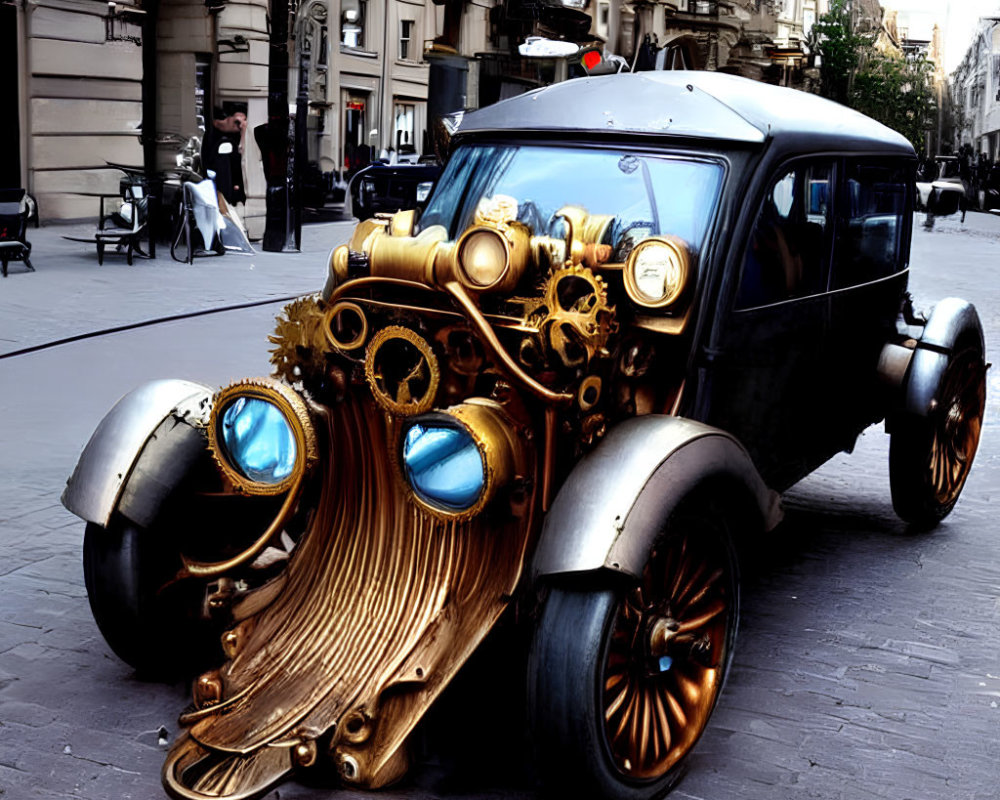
[149,121]
[276,157]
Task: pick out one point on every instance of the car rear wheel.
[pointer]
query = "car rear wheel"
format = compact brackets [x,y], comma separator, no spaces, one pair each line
[154,626]
[622,681]
[930,457]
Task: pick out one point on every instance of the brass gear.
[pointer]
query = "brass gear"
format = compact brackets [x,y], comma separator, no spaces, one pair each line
[300,340]
[575,319]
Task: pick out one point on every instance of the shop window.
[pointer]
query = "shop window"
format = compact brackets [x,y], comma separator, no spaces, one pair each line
[405,39]
[789,249]
[352,23]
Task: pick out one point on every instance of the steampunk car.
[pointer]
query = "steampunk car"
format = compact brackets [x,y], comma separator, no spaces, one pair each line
[635,309]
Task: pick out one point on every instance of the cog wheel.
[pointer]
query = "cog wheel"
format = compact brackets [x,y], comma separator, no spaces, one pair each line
[575,319]
[300,340]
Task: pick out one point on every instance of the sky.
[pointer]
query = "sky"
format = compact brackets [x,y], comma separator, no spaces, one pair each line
[957,19]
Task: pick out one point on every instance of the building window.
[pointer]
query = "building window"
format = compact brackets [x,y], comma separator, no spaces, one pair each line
[403,138]
[603,18]
[405,38]
[352,23]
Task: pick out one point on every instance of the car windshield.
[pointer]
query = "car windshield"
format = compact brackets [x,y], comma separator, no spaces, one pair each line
[645,195]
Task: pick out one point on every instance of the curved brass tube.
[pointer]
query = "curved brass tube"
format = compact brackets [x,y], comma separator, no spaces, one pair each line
[203,569]
[456,290]
[371,280]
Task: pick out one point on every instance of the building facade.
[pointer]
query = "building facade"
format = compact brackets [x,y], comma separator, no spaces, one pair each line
[974,88]
[81,81]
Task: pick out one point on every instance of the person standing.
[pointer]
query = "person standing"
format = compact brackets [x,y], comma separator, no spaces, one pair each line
[221,152]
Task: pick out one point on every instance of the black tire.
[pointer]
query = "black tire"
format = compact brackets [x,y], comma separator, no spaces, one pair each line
[575,670]
[158,631]
[930,457]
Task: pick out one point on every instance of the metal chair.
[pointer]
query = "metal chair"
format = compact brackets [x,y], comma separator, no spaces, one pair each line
[125,226]
[15,209]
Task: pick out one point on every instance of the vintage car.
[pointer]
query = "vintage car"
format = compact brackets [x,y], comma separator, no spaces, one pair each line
[635,310]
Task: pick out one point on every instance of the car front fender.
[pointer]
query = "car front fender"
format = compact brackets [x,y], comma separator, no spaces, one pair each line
[952,322]
[108,461]
[612,507]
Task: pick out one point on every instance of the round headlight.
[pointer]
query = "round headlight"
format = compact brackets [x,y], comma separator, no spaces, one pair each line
[455,461]
[483,258]
[258,440]
[261,436]
[656,272]
[444,466]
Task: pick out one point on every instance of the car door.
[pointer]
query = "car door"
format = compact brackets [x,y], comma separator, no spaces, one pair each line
[768,384]
[867,282]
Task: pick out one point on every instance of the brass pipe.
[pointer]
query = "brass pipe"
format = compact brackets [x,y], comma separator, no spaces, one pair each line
[375,280]
[204,569]
[456,290]
[549,466]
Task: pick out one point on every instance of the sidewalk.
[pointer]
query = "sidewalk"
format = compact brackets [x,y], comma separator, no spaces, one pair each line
[69,294]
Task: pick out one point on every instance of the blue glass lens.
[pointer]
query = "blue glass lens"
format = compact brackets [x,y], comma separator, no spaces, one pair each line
[258,440]
[443,465]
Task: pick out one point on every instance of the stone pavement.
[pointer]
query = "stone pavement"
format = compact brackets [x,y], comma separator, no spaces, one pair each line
[868,661]
[69,294]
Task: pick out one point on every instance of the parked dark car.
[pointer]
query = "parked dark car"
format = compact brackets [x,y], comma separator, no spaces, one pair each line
[388,188]
[635,310]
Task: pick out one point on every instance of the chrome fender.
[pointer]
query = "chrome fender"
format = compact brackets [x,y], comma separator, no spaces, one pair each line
[110,458]
[614,503]
[951,321]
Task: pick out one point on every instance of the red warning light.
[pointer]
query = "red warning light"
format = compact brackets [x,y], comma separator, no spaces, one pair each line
[591,59]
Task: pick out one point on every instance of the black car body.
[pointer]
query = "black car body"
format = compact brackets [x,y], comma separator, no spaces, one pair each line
[635,309]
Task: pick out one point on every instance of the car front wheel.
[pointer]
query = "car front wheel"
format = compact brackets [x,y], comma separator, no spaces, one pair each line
[153,625]
[930,457]
[622,680]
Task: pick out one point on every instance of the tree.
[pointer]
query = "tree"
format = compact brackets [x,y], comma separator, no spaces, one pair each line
[841,50]
[892,89]
[898,93]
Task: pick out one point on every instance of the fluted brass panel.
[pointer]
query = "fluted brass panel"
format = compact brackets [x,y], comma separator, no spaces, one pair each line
[380,595]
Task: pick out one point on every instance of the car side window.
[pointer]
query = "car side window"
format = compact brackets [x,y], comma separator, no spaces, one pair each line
[875,207]
[789,249]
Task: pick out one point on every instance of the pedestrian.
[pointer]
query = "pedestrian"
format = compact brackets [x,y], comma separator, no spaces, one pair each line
[222,152]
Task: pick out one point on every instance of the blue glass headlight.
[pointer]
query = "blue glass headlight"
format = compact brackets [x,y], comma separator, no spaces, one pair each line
[443,465]
[258,440]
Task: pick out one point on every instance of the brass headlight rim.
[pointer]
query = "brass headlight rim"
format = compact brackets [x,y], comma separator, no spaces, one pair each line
[331,314]
[296,414]
[444,418]
[679,248]
[463,276]
[426,402]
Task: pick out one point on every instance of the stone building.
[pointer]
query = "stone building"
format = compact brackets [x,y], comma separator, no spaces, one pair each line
[81,79]
[975,92]
[357,70]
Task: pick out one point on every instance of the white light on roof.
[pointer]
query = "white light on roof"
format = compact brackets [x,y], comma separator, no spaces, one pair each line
[540,47]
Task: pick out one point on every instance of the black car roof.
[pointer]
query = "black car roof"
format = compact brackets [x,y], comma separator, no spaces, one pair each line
[705,105]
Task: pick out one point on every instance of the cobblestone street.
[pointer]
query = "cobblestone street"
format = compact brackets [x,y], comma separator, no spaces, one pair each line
[868,658]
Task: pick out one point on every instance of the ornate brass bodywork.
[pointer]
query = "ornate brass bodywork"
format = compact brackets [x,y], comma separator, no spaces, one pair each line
[386,595]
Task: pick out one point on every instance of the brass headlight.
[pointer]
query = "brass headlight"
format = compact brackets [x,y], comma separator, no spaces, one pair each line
[657,271]
[262,436]
[483,256]
[455,461]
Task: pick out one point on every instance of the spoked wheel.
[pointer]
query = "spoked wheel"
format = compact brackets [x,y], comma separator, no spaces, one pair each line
[930,457]
[622,682]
